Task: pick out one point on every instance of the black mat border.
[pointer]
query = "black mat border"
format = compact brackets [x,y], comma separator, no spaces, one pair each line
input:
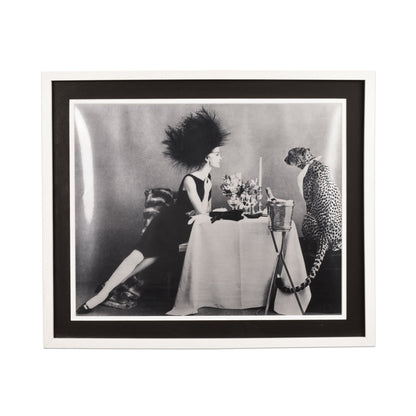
[352,90]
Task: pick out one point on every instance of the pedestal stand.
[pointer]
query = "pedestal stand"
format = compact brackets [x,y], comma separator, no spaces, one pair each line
[278,269]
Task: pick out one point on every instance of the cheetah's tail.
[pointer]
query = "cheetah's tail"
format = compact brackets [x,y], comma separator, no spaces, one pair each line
[319,257]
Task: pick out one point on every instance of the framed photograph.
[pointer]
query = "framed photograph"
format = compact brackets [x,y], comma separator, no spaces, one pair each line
[208,209]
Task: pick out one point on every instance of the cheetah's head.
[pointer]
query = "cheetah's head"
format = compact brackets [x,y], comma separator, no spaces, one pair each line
[299,156]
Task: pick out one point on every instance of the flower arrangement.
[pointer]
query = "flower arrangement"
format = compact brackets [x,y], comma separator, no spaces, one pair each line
[232,188]
[251,195]
[251,188]
[240,194]
[232,185]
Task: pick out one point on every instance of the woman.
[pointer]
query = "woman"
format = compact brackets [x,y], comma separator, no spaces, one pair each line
[194,144]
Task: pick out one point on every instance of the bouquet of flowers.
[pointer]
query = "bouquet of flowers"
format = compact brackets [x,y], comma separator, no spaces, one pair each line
[240,194]
[232,187]
[251,188]
[251,194]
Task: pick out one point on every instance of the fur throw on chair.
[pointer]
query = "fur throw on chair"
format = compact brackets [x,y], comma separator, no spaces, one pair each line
[127,295]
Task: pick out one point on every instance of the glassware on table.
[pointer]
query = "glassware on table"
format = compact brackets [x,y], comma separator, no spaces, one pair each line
[259,198]
[234,202]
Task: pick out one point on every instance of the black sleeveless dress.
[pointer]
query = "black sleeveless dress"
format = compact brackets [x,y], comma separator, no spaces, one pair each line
[170,227]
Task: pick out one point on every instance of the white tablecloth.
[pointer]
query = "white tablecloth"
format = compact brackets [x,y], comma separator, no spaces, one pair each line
[229,265]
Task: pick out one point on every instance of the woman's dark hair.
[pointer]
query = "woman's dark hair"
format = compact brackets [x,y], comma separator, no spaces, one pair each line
[189,144]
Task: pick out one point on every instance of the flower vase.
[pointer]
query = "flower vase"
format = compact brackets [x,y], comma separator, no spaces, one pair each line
[234,202]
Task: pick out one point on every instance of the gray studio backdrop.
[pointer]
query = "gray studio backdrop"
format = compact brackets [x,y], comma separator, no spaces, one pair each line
[118,154]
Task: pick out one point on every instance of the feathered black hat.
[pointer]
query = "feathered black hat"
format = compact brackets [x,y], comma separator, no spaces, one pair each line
[189,144]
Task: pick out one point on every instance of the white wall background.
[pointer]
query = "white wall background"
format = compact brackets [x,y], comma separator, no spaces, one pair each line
[262,35]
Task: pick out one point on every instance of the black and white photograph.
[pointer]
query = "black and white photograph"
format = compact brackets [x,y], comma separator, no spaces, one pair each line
[199,208]
[208,207]
[194,208]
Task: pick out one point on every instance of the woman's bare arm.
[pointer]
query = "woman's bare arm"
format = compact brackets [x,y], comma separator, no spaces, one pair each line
[201,207]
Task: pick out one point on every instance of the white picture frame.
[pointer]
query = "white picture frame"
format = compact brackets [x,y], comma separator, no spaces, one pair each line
[51,262]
